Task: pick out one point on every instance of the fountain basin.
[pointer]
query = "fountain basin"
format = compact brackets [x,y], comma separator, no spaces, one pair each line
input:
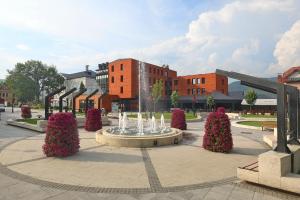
[139,141]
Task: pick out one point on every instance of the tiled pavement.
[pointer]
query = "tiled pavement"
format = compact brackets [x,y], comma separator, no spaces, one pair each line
[11,188]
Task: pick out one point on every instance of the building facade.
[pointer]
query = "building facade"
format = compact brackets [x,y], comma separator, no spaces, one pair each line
[6,95]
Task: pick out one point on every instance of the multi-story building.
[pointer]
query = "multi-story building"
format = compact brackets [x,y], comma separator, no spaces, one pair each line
[291,77]
[6,94]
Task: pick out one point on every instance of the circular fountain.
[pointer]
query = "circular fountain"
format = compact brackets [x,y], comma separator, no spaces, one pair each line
[140,132]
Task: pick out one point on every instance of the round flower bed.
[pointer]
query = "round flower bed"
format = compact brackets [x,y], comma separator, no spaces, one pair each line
[25,112]
[93,120]
[62,137]
[217,135]
[178,119]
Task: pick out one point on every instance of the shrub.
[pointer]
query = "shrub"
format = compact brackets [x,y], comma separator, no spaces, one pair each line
[93,120]
[178,119]
[62,137]
[25,112]
[221,109]
[217,135]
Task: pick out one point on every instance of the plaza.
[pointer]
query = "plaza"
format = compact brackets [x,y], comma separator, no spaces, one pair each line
[183,171]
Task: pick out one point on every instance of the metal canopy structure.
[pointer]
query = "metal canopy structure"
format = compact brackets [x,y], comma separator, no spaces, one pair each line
[47,100]
[100,99]
[287,102]
[74,100]
[63,96]
[87,99]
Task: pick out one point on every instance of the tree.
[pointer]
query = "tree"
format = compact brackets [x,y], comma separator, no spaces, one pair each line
[81,87]
[37,77]
[210,102]
[250,97]
[22,87]
[157,90]
[174,99]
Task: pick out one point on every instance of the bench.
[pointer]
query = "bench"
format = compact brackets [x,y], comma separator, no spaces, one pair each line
[270,124]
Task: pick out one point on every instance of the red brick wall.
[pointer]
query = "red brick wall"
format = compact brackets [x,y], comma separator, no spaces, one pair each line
[213,82]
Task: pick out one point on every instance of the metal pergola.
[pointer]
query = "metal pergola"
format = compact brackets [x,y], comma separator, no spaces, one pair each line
[287,102]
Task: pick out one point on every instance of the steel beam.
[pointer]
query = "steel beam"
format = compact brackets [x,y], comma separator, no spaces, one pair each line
[63,96]
[47,100]
[249,79]
[294,116]
[281,120]
[260,87]
[87,99]
[74,100]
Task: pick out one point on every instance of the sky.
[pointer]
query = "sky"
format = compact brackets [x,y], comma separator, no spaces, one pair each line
[257,37]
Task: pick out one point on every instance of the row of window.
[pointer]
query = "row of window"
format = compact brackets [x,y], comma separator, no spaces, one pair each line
[121,67]
[197,91]
[121,79]
[158,71]
[4,95]
[196,81]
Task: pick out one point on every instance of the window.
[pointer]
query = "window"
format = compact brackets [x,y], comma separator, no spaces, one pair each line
[198,80]
[150,69]
[161,72]
[193,91]
[223,81]
[188,81]
[203,80]
[203,90]
[121,90]
[193,81]
[112,68]
[188,91]
[121,67]
[175,82]
[121,78]
[112,79]
[166,73]
[153,70]
[199,91]
[157,71]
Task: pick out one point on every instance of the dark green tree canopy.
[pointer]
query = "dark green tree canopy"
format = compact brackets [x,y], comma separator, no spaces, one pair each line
[210,101]
[33,77]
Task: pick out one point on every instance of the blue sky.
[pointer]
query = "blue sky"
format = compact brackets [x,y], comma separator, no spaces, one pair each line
[259,37]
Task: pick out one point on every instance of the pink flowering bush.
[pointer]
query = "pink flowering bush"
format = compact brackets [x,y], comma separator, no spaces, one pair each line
[217,135]
[93,120]
[25,112]
[178,119]
[62,137]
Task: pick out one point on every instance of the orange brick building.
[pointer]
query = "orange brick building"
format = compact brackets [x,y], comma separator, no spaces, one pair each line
[123,82]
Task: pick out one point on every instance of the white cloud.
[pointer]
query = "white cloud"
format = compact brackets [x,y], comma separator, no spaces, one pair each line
[287,50]
[23,47]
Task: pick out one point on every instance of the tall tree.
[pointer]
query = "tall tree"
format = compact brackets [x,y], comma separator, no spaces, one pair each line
[22,87]
[41,77]
[157,90]
[210,101]
[250,98]
[174,99]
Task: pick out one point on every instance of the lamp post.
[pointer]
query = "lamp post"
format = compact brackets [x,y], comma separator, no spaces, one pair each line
[12,103]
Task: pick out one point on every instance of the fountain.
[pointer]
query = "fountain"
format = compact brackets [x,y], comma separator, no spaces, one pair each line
[139,134]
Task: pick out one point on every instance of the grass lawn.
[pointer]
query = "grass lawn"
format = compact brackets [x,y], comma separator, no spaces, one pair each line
[254,123]
[258,116]
[167,115]
[29,121]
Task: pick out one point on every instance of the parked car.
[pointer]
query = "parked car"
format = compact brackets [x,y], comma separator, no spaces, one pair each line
[2,108]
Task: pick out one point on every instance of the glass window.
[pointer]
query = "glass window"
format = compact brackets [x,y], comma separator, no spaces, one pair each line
[198,80]
[203,90]
[112,79]
[194,91]
[121,67]
[188,81]
[121,90]
[121,78]
[199,91]
[112,68]
[193,81]
[203,80]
